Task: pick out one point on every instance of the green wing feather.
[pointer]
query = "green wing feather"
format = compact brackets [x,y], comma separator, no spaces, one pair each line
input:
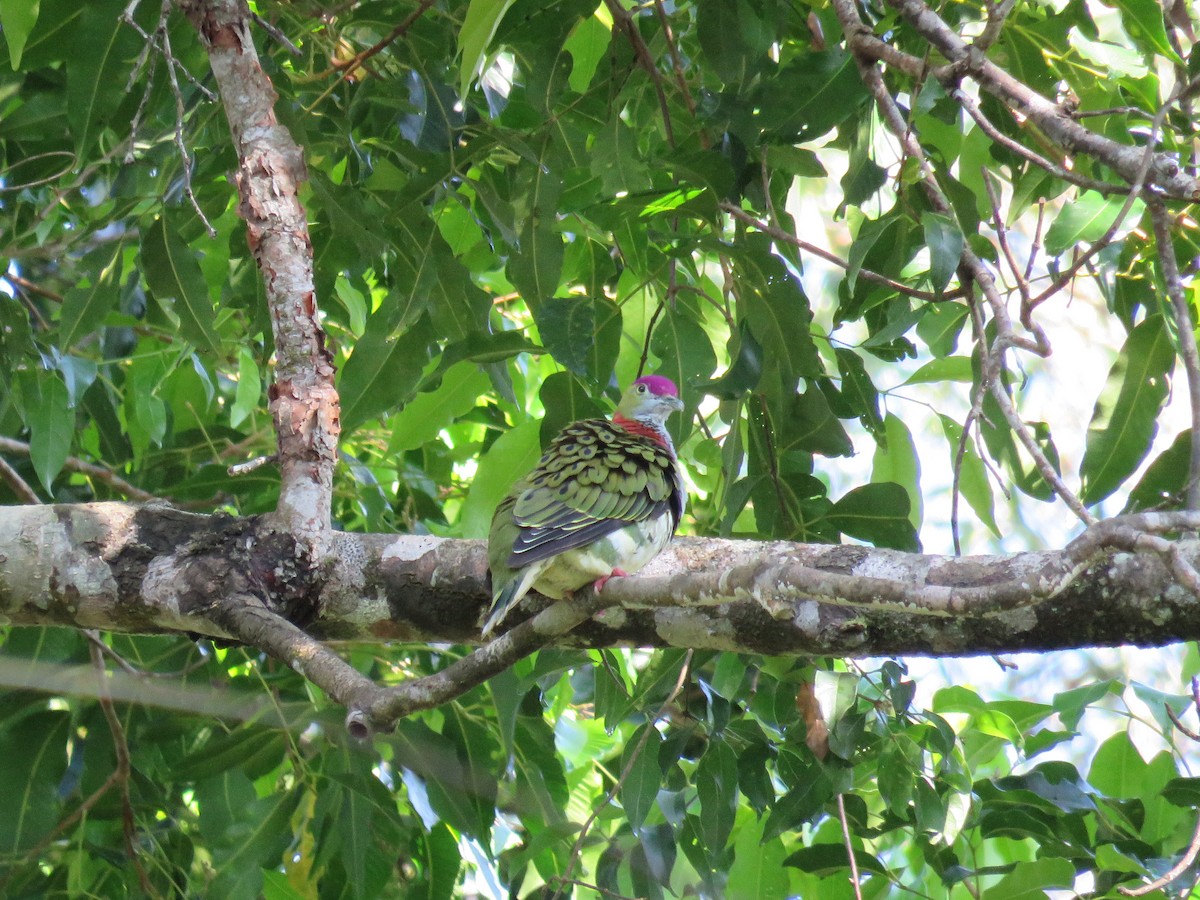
[593,479]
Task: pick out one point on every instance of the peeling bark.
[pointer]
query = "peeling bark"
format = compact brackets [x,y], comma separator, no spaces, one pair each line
[121,567]
[303,401]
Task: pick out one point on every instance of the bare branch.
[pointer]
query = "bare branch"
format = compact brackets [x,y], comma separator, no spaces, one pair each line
[1164,171]
[1113,585]
[122,770]
[1174,872]
[19,485]
[303,400]
[74,464]
[1186,326]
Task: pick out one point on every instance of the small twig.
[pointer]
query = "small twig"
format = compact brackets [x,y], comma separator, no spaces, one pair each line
[1035,246]
[1195,705]
[1174,872]
[645,357]
[577,850]
[1179,725]
[73,464]
[123,767]
[346,68]
[32,287]
[996,15]
[780,235]
[125,665]
[624,19]
[855,879]
[161,40]
[245,468]
[279,36]
[677,64]
[164,42]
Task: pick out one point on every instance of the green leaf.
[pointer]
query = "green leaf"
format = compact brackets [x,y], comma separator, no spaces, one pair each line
[1183,792]
[810,425]
[816,91]
[512,455]
[51,424]
[827,859]
[745,367]
[248,396]
[1086,219]
[175,279]
[1124,421]
[565,401]
[587,44]
[897,461]
[721,29]
[836,692]
[442,862]
[1144,21]
[536,267]
[17,18]
[858,389]
[798,805]
[949,368]
[640,787]
[878,513]
[581,333]
[758,871]
[685,356]
[1071,705]
[940,325]
[384,370]
[34,751]
[779,315]
[102,51]
[973,481]
[797,161]
[1118,770]
[478,28]
[429,412]
[1165,481]
[1034,880]
[945,242]
[84,308]
[251,749]
[253,833]
[354,829]
[717,787]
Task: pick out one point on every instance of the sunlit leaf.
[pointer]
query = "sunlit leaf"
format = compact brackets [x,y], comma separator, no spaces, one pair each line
[1125,419]
[878,513]
[175,279]
[17,18]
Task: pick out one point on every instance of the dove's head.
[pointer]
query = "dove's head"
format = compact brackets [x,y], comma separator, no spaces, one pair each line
[650,399]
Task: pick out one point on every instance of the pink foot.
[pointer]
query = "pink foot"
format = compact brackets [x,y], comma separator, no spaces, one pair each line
[599,583]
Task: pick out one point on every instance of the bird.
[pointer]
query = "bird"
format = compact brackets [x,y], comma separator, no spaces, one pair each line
[605,498]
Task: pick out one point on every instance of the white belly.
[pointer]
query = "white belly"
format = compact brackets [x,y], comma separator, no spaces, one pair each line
[628,550]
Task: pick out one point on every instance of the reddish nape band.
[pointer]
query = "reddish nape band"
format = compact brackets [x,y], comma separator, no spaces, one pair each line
[633,426]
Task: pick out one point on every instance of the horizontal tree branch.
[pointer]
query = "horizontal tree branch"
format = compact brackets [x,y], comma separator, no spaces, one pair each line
[122,567]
